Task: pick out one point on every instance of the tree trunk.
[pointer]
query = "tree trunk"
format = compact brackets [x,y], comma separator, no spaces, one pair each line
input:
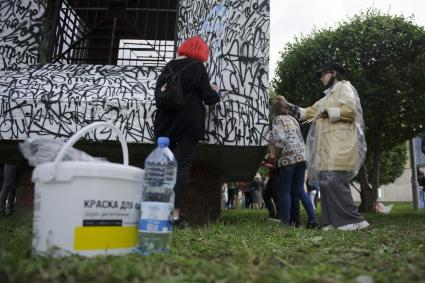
[368,194]
[203,197]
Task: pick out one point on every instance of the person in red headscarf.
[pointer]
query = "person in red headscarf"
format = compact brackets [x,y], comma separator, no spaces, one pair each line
[185,127]
[194,48]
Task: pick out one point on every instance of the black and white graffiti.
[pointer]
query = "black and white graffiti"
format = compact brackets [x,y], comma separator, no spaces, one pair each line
[20,32]
[237,32]
[57,100]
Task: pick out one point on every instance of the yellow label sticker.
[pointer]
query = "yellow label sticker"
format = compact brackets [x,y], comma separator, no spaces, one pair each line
[103,238]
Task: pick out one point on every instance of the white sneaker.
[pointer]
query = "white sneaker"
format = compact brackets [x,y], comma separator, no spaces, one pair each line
[329,228]
[364,224]
[355,226]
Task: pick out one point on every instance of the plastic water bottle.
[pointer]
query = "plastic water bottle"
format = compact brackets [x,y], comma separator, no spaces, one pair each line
[157,200]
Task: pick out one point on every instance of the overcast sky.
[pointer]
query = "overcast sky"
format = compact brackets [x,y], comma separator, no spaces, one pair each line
[291,18]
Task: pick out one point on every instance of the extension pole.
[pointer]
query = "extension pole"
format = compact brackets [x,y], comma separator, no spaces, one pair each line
[414,179]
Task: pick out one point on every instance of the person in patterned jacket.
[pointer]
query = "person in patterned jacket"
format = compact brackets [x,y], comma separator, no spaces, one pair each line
[291,164]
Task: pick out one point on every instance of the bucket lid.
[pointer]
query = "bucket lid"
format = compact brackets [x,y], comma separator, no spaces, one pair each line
[69,169]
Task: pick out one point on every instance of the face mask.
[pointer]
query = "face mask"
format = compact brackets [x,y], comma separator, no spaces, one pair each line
[330,82]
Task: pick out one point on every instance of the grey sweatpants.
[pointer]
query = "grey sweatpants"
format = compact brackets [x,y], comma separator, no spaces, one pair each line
[337,205]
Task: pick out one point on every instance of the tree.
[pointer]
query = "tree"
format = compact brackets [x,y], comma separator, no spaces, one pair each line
[392,164]
[385,58]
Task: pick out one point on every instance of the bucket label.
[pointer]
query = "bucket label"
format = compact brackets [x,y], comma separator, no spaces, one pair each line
[36,219]
[155,217]
[105,212]
[107,224]
[102,222]
[104,237]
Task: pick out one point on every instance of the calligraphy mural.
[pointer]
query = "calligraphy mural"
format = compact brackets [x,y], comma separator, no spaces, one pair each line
[20,32]
[237,32]
[57,100]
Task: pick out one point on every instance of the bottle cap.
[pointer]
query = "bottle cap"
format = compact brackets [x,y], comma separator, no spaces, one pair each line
[163,141]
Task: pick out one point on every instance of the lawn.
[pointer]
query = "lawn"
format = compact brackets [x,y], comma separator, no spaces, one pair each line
[241,247]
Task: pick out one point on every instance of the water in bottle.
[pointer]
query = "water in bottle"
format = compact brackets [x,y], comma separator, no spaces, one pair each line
[157,199]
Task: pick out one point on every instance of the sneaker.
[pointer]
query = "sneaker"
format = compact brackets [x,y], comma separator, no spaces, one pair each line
[295,224]
[9,211]
[329,228]
[312,225]
[355,226]
[182,224]
[271,219]
[364,224]
[178,222]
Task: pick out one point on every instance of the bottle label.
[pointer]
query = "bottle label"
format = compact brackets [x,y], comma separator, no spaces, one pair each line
[155,217]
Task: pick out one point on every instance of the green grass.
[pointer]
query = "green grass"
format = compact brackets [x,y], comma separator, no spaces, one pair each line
[240,247]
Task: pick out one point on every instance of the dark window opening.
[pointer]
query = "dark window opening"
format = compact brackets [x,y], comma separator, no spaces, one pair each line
[117,32]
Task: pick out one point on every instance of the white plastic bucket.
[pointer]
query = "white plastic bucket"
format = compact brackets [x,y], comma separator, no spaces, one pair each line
[86,208]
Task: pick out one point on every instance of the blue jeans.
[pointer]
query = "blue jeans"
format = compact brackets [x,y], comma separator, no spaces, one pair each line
[291,179]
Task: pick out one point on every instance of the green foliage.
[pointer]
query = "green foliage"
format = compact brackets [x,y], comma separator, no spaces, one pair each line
[272,100]
[264,171]
[385,58]
[392,164]
[241,247]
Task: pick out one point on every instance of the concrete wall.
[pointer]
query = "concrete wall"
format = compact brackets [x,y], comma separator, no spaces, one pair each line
[400,190]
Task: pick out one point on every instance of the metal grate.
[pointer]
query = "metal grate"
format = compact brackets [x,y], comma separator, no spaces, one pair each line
[154,53]
[70,32]
[117,32]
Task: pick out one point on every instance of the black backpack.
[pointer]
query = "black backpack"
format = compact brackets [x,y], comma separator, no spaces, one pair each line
[170,96]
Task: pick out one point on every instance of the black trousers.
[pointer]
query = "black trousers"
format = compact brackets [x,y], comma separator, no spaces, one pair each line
[271,199]
[8,191]
[231,195]
[184,152]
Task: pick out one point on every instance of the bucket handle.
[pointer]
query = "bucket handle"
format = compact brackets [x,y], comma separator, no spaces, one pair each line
[82,132]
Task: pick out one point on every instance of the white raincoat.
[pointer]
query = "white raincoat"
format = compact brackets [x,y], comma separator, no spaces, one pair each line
[336,143]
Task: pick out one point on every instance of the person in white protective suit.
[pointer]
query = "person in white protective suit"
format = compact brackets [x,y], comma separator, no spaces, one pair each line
[336,147]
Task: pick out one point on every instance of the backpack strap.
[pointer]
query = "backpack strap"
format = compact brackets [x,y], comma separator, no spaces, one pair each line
[170,69]
[175,74]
